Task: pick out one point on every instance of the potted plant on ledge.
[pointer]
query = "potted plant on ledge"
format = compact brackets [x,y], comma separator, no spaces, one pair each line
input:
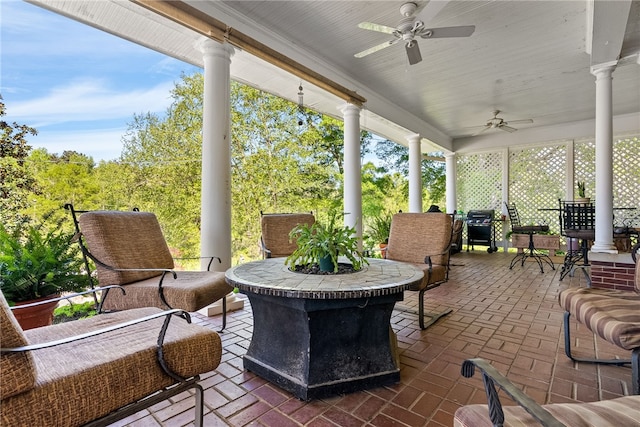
[36,265]
[321,244]
[581,193]
[379,229]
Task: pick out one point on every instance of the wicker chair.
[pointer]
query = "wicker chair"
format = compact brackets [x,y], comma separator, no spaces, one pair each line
[423,239]
[98,370]
[129,250]
[622,411]
[274,240]
[612,315]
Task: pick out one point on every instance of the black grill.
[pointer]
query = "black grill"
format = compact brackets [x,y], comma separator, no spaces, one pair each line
[481,230]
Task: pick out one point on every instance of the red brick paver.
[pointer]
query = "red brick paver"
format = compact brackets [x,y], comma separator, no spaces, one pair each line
[510,317]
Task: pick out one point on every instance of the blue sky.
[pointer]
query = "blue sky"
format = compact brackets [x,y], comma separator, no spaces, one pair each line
[78,86]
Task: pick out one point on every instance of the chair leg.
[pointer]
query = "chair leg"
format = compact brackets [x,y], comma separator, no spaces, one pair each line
[224,313]
[199,415]
[567,350]
[433,317]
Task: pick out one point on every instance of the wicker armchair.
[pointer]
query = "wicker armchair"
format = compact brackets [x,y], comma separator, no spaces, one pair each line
[129,250]
[423,239]
[622,411]
[99,370]
[274,240]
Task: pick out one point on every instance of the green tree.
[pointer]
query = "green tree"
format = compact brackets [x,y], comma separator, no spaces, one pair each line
[17,183]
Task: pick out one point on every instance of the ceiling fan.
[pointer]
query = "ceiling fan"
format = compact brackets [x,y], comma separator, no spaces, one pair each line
[413,26]
[498,123]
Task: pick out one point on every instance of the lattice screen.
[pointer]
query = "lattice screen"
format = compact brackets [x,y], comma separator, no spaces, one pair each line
[626,180]
[537,181]
[479,184]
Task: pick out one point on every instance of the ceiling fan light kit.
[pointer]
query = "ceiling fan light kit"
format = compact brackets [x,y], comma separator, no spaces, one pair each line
[411,27]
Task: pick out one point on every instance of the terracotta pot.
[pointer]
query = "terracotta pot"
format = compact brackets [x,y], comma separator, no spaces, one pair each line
[582,199]
[36,316]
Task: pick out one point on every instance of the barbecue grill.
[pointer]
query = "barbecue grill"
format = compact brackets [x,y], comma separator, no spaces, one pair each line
[481,230]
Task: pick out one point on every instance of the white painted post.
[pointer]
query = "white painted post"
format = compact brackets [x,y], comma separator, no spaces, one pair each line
[352,170]
[415,173]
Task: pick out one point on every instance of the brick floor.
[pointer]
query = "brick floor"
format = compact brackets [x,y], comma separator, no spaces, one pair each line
[509,317]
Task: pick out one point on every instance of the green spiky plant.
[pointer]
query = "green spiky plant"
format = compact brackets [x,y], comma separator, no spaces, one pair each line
[318,241]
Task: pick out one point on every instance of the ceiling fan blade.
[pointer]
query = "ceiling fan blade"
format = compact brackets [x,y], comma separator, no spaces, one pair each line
[376,48]
[518,122]
[438,33]
[508,128]
[413,52]
[376,27]
[482,130]
[431,10]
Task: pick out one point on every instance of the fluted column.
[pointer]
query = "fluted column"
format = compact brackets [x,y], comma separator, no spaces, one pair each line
[415,173]
[604,158]
[352,170]
[215,231]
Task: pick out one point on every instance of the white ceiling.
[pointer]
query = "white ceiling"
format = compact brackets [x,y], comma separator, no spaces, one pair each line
[526,58]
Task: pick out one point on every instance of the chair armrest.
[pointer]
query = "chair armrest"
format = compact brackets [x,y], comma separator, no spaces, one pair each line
[491,377]
[159,344]
[210,258]
[66,297]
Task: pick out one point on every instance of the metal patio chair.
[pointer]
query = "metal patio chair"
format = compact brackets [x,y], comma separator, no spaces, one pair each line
[274,240]
[96,371]
[423,239]
[531,251]
[129,250]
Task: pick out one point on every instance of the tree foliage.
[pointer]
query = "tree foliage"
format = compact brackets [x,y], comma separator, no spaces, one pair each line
[17,183]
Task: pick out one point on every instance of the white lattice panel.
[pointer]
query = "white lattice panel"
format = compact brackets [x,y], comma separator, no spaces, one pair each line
[536,181]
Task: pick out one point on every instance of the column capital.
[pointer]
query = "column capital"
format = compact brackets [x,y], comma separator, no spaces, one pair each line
[414,137]
[604,70]
[348,108]
[210,47]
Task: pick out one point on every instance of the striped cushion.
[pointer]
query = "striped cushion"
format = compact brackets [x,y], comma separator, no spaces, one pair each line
[611,314]
[623,411]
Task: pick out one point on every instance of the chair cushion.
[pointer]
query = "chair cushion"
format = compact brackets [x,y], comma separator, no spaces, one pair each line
[276,229]
[125,240]
[438,274]
[87,379]
[611,314]
[529,228]
[416,235]
[18,369]
[190,291]
[623,411]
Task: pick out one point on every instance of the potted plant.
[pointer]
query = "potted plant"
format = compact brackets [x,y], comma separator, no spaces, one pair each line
[581,193]
[379,229]
[322,244]
[37,264]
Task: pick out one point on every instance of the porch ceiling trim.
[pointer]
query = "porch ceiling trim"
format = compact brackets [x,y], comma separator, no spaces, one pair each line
[214,29]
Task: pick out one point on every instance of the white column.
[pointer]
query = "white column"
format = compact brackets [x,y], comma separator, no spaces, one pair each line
[215,232]
[415,173]
[352,170]
[604,159]
[450,189]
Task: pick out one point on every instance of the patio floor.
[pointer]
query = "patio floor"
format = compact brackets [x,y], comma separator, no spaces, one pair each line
[509,317]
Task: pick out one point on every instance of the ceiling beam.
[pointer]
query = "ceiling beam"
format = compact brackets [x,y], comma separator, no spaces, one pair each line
[608,24]
[212,28]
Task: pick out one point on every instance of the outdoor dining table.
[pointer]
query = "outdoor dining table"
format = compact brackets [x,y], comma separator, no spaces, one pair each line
[319,335]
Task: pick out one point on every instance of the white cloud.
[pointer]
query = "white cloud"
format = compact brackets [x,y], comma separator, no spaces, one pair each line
[90,100]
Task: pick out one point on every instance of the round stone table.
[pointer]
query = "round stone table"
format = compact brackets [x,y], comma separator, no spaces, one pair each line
[318,335]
